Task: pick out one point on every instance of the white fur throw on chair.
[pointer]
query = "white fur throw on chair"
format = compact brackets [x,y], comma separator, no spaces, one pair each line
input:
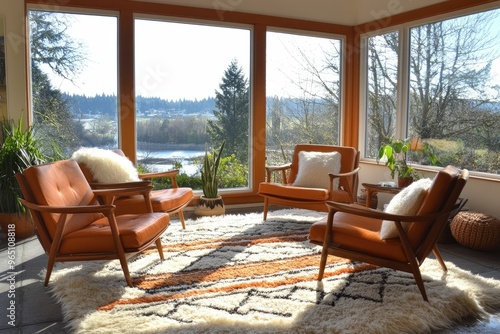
[106,166]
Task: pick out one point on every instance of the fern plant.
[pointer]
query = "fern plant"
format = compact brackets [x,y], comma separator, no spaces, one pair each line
[19,149]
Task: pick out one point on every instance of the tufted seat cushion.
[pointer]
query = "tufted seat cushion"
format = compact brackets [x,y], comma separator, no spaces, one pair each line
[135,231]
[163,200]
[289,191]
[362,234]
[359,234]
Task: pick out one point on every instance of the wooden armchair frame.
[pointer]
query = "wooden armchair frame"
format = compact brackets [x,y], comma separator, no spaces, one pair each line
[51,242]
[286,194]
[412,246]
[172,200]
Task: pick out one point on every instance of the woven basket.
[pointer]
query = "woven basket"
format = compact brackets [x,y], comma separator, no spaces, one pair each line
[476,230]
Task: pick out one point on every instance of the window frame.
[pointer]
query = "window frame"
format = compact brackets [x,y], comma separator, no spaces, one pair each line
[200,22]
[342,73]
[403,86]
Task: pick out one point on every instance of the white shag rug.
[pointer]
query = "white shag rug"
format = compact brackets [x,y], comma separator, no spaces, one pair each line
[239,274]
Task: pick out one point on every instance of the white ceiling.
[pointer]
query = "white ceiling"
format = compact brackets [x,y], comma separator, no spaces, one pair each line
[346,12]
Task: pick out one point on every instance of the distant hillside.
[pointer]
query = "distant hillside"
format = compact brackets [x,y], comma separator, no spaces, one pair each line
[106,105]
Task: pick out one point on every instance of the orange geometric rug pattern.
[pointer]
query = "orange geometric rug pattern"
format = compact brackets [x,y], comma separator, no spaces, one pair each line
[239,274]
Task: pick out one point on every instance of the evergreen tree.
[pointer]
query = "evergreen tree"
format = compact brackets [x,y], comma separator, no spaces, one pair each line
[52,120]
[52,47]
[231,113]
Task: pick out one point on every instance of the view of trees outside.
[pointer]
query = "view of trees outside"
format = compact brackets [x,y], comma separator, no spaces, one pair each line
[206,85]
[55,57]
[188,97]
[453,90]
[197,93]
[382,80]
[303,92]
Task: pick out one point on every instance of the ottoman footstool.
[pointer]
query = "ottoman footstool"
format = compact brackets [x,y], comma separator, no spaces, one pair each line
[476,230]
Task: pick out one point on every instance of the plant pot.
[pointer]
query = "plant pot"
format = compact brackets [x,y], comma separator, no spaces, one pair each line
[23,224]
[210,206]
[404,181]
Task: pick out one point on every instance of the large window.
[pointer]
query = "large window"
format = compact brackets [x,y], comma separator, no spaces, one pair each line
[193,92]
[303,92]
[382,79]
[450,89]
[74,80]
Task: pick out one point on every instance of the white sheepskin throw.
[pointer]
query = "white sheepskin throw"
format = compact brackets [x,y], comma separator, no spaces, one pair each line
[406,203]
[314,168]
[106,166]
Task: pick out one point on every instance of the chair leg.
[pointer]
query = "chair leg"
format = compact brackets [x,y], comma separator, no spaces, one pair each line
[126,272]
[266,204]
[420,283]
[50,266]
[160,248]
[438,256]
[415,269]
[181,218]
[322,263]
[326,242]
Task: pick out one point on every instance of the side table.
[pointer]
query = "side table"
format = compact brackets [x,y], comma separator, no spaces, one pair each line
[373,188]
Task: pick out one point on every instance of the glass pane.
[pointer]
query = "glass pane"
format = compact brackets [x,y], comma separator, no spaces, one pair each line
[454,91]
[303,92]
[381,99]
[74,80]
[192,86]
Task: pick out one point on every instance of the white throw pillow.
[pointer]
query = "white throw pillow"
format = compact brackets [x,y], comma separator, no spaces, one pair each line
[106,166]
[314,168]
[405,203]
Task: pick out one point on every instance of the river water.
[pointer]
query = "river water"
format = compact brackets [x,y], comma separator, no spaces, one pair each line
[164,159]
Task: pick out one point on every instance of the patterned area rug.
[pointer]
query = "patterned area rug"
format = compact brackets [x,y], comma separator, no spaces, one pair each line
[238,274]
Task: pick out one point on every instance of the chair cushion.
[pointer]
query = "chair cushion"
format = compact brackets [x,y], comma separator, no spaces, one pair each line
[360,234]
[106,166]
[292,192]
[407,203]
[61,183]
[135,232]
[314,168]
[162,200]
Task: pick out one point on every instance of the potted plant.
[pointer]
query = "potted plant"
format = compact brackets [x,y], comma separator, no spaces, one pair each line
[396,158]
[19,149]
[210,203]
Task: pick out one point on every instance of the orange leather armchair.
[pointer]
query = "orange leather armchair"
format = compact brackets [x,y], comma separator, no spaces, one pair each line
[353,231]
[71,225]
[313,198]
[172,200]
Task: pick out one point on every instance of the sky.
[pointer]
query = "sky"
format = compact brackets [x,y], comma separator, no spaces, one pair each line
[184,61]
[178,60]
[169,64]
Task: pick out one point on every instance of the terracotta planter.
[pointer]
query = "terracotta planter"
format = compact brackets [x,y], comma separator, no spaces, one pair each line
[24,226]
[210,207]
[404,181]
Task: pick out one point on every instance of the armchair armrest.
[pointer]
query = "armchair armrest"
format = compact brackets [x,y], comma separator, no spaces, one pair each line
[104,209]
[172,174]
[282,168]
[377,214]
[107,196]
[347,186]
[121,185]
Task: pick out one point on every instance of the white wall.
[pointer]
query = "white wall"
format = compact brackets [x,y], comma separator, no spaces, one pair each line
[12,13]
[482,195]
[349,13]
